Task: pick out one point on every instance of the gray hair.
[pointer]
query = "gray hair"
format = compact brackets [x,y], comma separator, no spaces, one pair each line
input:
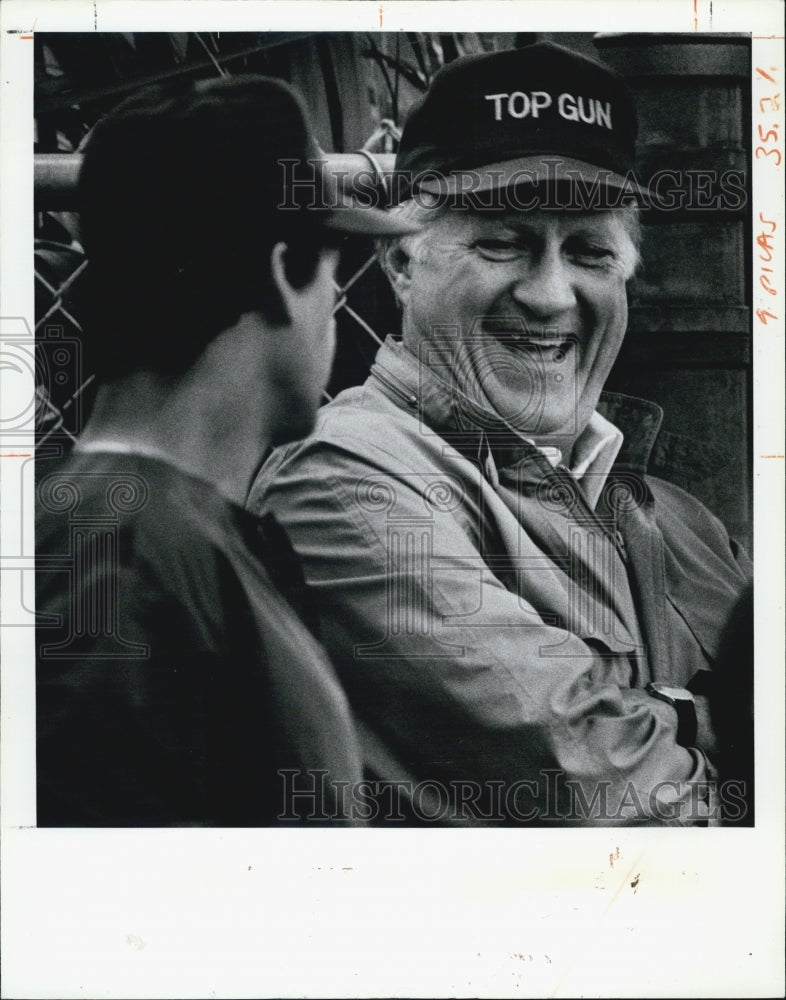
[418,212]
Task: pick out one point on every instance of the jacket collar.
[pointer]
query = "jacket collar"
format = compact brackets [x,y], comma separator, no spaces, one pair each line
[401,377]
[639,420]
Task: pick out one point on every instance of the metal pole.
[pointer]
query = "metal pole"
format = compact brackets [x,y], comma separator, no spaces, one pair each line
[56,175]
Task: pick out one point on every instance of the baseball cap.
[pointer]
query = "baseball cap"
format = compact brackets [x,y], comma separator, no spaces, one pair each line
[307,184]
[537,114]
[232,155]
[183,192]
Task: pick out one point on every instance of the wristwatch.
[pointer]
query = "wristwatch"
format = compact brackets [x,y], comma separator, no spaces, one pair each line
[681,700]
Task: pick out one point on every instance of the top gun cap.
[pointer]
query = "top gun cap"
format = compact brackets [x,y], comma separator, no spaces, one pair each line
[537,114]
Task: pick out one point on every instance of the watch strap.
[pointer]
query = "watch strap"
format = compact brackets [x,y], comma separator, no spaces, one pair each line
[681,700]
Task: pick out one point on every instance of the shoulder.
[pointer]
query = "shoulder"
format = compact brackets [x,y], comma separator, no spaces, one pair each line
[674,503]
[368,423]
[690,528]
[360,434]
[369,467]
[158,532]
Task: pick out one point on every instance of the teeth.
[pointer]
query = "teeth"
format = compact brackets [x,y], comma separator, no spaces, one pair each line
[531,341]
[561,344]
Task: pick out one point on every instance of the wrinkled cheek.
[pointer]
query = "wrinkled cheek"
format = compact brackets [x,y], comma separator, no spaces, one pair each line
[612,317]
[619,322]
[610,324]
[621,309]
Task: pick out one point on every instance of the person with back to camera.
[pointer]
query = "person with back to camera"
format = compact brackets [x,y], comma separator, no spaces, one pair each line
[174,679]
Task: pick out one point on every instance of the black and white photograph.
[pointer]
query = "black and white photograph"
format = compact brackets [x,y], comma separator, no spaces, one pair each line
[395,424]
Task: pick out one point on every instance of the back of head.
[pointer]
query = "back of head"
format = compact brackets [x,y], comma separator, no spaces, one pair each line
[179,196]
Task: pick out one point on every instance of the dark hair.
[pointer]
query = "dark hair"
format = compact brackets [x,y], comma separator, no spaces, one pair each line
[178,201]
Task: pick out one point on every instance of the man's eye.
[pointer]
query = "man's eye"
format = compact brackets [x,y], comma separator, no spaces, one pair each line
[587,253]
[499,249]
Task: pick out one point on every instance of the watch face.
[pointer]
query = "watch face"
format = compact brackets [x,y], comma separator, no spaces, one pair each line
[672,693]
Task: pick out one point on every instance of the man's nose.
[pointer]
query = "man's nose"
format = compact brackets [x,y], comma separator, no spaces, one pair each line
[545,289]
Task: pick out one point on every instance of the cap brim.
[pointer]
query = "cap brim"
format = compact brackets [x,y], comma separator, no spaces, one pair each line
[534,171]
[347,217]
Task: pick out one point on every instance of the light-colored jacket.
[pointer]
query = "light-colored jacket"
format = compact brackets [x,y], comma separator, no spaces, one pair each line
[494,632]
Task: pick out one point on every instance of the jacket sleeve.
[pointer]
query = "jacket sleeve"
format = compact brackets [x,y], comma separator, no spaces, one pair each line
[467,684]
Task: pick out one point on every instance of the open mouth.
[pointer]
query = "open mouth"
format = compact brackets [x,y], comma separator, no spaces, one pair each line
[550,345]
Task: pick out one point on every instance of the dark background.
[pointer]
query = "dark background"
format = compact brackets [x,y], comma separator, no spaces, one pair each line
[688,345]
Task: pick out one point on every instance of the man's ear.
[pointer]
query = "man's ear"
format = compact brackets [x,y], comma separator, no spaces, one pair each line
[298,300]
[287,293]
[397,264]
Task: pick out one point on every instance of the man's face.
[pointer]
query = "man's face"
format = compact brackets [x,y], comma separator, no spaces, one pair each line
[523,312]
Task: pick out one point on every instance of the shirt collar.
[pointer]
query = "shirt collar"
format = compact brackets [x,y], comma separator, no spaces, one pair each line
[594,453]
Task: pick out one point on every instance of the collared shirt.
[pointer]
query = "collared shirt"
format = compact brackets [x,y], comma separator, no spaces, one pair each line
[594,453]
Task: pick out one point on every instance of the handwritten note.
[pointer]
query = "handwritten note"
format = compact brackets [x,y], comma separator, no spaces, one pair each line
[769,150]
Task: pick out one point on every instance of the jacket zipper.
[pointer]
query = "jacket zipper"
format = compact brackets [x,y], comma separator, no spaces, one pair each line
[613,534]
[399,390]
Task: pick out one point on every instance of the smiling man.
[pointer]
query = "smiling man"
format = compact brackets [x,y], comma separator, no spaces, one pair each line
[524,618]
[537,300]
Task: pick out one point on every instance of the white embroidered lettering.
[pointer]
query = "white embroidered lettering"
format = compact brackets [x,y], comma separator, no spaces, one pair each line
[603,115]
[573,109]
[540,100]
[587,116]
[521,112]
[567,107]
[497,99]
[586,109]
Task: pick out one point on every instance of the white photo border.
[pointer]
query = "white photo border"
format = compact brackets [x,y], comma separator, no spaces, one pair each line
[353,913]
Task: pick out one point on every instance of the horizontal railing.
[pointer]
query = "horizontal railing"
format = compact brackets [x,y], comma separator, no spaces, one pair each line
[56,174]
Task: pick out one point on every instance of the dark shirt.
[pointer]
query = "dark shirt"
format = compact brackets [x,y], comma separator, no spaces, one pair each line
[174,682]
